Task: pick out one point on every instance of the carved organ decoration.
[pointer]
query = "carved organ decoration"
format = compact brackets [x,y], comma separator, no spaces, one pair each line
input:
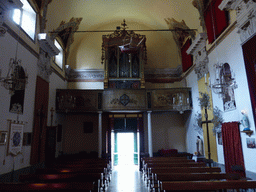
[245,16]
[124,56]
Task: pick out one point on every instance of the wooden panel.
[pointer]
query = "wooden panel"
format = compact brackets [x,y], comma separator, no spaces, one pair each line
[124,100]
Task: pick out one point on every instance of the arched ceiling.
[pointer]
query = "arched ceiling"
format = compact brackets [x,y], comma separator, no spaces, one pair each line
[108,14]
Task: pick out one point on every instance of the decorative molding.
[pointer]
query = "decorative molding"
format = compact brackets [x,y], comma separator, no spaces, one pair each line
[227,5]
[245,16]
[44,66]
[165,75]
[86,75]
[246,20]
[198,50]
[156,73]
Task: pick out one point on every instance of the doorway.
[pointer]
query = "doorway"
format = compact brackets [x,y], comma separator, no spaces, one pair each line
[125,139]
[125,148]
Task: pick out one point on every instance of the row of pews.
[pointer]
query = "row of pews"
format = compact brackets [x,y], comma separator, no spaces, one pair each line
[87,175]
[169,174]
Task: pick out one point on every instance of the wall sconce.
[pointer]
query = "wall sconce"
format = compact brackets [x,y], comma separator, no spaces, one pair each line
[224,79]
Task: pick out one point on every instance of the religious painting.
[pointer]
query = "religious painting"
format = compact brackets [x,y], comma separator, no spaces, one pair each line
[88,127]
[250,142]
[229,103]
[3,137]
[17,102]
[219,135]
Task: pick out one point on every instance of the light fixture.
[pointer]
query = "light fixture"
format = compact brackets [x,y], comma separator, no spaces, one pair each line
[16,78]
[181,103]
[224,79]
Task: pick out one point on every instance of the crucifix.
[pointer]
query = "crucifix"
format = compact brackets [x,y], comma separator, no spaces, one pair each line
[209,161]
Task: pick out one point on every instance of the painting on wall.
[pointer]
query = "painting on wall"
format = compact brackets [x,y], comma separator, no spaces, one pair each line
[229,102]
[250,142]
[219,135]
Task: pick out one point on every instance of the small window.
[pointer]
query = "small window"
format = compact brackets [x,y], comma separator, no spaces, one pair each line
[26,18]
[58,59]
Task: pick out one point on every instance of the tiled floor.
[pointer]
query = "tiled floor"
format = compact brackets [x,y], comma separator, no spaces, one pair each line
[126,178]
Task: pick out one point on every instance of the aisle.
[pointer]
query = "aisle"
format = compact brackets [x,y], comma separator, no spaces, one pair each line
[126,179]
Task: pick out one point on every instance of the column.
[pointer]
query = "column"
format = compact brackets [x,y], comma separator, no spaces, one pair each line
[100,135]
[150,146]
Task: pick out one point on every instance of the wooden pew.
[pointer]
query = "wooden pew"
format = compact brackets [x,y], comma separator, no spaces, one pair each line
[60,177]
[193,164]
[196,176]
[47,187]
[169,186]
[182,170]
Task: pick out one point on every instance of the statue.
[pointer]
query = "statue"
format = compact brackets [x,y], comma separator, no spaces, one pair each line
[199,146]
[245,121]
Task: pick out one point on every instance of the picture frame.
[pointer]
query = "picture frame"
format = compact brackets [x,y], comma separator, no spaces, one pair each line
[250,142]
[219,135]
[3,137]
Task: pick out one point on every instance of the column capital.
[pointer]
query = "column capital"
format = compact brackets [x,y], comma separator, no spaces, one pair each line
[149,111]
[100,112]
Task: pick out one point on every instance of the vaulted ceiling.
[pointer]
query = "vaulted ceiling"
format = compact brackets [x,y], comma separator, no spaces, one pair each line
[98,15]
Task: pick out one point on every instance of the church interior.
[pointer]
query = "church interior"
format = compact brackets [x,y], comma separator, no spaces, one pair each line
[118,83]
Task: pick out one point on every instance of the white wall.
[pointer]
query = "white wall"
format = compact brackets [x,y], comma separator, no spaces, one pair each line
[230,51]
[168,131]
[189,118]
[29,63]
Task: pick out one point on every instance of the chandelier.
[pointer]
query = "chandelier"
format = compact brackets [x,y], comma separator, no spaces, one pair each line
[224,79]
[181,103]
[16,78]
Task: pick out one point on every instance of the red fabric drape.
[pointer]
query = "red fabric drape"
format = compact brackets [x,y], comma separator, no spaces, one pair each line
[215,19]
[232,147]
[187,60]
[40,121]
[249,52]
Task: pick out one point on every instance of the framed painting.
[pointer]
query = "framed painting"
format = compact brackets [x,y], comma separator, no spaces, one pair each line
[250,142]
[3,137]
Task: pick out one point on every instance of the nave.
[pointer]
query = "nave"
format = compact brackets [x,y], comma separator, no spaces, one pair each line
[162,174]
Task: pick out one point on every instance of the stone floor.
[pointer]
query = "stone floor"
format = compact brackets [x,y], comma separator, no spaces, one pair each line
[126,178]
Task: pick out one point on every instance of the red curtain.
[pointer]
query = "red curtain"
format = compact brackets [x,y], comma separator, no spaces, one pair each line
[232,147]
[40,121]
[216,20]
[187,60]
[249,52]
